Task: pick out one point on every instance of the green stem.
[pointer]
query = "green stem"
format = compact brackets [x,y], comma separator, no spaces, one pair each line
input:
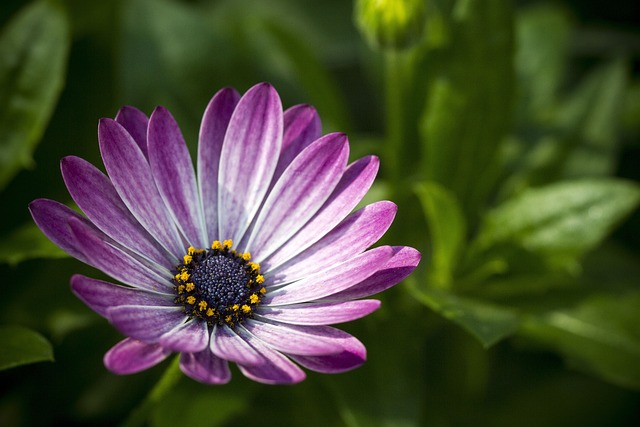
[394,114]
[169,379]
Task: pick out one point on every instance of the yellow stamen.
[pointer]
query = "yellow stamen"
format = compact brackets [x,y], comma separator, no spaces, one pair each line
[191,299]
[180,289]
[190,286]
[246,309]
[187,259]
[235,307]
[263,291]
[228,243]
[254,266]
[184,276]
[227,319]
[191,250]
[216,245]
[259,279]
[202,305]
[254,298]
[246,256]
[210,312]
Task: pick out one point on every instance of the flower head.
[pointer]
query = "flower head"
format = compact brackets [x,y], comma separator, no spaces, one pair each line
[246,261]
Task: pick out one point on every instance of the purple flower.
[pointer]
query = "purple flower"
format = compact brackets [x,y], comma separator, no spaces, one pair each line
[246,261]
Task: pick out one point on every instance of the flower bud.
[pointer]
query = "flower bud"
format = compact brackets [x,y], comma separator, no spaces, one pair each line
[391,24]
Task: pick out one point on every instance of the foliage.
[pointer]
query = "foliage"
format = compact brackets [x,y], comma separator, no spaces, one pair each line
[506,138]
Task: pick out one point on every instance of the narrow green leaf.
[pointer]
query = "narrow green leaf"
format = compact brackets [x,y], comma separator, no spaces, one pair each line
[20,346]
[25,243]
[600,335]
[33,55]
[488,323]
[447,230]
[559,222]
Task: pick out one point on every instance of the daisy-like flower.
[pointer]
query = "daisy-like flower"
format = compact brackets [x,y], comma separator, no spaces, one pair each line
[246,261]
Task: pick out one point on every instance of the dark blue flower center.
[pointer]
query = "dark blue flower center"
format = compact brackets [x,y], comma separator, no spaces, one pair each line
[218,285]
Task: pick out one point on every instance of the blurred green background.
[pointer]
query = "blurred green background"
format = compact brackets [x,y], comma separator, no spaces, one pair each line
[509,136]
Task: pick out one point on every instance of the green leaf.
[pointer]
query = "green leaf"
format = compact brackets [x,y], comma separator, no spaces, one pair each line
[206,409]
[21,346]
[447,230]
[558,222]
[488,323]
[600,335]
[469,105]
[28,242]
[33,55]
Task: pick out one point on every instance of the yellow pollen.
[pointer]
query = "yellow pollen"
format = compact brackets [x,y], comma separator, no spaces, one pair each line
[227,319]
[228,243]
[263,291]
[180,289]
[246,256]
[191,299]
[184,276]
[202,305]
[254,266]
[187,259]
[235,307]
[210,312]
[254,298]
[246,309]
[216,245]
[259,279]
[191,250]
[190,286]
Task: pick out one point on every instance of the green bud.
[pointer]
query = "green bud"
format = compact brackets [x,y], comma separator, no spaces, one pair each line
[391,24]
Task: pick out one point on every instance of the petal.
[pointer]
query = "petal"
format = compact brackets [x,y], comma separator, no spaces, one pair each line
[136,123]
[228,345]
[95,195]
[212,130]
[334,363]
[113,261]
[351,237]
[274,369]
[300,340]
[301,190]
[53,219]
[248,159]
[352,187]
[130,356]
[189,337]
[205,367]
[100,296]
[173,173]
[131,176]
[145,323]
[330,281]
[402,263]
[326,313]
[301,127]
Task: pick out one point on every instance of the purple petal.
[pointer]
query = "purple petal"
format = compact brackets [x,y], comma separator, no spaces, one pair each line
[301,127]
[402,263]
[145,323]
[334,363]
[130,356]
[351,237]
[228,345]
[113,261]
[352,187]
[189,337]
[212,130]
[100,296]
[135,122]
[131,176]
[319,313]
[53,219]
[205,367]
[299,340]
[248,159]
[173,173]
[330,281]
[274,369]
[301,190]
[95,195]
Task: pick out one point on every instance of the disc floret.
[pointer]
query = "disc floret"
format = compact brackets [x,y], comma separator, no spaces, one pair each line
[218,285]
